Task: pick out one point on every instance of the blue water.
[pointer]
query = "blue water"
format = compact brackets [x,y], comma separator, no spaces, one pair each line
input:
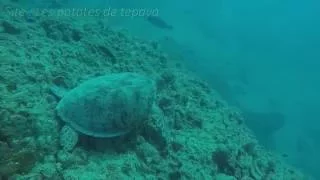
[262,56]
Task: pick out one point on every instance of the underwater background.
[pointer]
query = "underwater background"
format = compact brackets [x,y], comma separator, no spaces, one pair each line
[236,87]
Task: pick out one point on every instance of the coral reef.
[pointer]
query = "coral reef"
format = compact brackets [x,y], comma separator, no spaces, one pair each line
[193,134]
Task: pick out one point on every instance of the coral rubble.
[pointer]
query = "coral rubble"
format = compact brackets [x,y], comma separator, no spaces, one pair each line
[193,134]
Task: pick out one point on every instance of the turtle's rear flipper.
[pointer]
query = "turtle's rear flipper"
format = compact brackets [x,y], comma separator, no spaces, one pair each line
[68,138]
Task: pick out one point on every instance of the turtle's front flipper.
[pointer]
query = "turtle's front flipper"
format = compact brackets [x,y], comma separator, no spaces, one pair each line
[68,138]
[57,91]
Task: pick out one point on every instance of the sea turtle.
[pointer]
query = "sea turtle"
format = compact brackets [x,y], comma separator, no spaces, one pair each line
[105,106]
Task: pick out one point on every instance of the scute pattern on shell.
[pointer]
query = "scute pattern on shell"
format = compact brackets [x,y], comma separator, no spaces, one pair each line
[109,105]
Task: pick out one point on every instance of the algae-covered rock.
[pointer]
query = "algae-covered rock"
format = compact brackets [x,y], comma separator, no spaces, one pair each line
[16,161]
